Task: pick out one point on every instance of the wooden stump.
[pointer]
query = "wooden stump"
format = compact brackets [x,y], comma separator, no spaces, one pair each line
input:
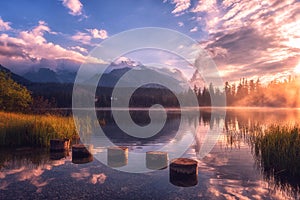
[81,154]
[59,145]
[117,156]
[184,172]
[156,160]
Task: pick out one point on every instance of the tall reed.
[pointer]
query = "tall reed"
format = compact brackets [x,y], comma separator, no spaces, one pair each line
[277,150]
[34,130]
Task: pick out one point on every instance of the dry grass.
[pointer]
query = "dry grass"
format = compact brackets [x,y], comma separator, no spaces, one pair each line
[34,130]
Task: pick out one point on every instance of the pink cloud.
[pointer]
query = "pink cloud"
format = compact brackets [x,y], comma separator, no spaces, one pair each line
[254,38]
[75,6]
[4,26]
[205,6]
[195,29]
[86,37]
[180,6]
[102,34]
[78,48]
[180,24]
[30,48]
[83,38]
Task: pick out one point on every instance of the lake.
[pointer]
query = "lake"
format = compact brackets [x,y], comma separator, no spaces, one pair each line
[227,165]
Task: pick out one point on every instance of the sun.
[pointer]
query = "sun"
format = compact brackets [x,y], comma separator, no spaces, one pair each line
[297,69]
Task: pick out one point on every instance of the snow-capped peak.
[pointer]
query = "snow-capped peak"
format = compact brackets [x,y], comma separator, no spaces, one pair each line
[125,61]
[122,62]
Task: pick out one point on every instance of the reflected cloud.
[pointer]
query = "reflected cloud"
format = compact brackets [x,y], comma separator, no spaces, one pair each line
[98,178]
[81,175]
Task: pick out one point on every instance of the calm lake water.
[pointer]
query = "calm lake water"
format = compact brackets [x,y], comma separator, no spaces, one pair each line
[229,171]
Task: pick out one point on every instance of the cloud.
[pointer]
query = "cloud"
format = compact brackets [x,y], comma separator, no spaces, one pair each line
[75,7]
[30,48]
[4,26]
[180,24]
[180,6]
[247,38]
[102,34]
[195,29]
[205,6]
[87,37]
[98,178]
[78,48]
[83,38]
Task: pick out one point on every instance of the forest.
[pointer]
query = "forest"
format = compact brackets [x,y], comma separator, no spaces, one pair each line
[37,98]
[253,93]
[250,93]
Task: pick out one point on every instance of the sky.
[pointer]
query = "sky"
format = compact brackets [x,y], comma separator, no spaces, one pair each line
[245,38]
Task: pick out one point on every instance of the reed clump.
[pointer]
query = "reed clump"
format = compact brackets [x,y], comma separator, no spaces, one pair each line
[278,150]
[34,130]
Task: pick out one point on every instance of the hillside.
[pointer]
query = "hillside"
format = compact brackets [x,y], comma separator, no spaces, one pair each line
[19,79]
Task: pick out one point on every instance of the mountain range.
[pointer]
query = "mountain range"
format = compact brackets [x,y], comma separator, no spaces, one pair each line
[138,73]
[46,75]
[116,70]
[58,84]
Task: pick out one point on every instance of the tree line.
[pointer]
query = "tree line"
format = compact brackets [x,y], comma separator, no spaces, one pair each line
[253,93]
[40,98]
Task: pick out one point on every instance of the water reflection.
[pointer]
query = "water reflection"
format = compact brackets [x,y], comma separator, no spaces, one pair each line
[119,137]
[157,160]
[246,128]
[230,170]
[117,156]
[82,154]
[59,155]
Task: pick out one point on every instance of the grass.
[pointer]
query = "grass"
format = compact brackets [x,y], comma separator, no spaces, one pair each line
[34,130]
[278,151]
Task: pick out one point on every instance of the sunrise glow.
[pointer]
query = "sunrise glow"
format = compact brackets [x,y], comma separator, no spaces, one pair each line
[149,99]
[297,69]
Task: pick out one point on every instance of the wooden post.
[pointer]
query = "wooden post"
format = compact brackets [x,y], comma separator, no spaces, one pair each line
[184,172]
[59,145]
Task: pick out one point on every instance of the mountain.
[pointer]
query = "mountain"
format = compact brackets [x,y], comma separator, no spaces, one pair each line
[137,73]
[136,77]
[15,77]
[66,76]
[45,75]
[122,62]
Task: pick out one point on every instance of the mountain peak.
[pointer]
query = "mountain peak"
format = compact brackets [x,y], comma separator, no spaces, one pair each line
[122,62]
[125,61]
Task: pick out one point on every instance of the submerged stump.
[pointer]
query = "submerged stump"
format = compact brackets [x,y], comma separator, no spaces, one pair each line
[81,153]
[59,145]
[117,156]
[184,172]
[156,160]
